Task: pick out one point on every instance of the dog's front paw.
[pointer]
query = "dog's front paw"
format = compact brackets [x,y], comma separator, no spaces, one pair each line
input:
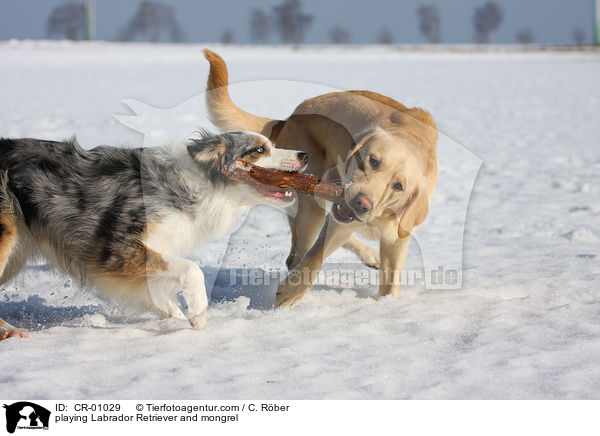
[6,333]
[199,321]
[289,294]
[370,257]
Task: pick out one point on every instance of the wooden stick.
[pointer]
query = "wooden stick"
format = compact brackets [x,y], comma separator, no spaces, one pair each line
[305,184]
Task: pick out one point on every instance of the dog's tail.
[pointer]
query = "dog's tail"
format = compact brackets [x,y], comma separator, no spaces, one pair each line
[223,112]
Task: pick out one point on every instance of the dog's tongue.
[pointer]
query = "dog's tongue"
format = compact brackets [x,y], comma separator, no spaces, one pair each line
[282,195]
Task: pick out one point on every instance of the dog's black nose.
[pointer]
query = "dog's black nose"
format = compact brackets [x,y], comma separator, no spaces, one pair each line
[303,156]
[361,203]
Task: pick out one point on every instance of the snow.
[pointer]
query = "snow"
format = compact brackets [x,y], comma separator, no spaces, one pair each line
[520,127]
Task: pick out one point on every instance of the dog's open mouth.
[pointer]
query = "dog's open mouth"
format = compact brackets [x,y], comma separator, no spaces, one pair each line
[344,213]
[283,195]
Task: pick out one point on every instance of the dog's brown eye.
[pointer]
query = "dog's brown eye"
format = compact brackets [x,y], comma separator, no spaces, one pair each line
[398,186]
[373,162]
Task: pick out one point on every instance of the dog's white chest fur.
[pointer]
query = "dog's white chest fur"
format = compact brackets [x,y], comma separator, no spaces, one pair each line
[180,233]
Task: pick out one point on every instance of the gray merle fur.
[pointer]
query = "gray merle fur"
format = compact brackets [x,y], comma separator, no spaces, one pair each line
[92,205]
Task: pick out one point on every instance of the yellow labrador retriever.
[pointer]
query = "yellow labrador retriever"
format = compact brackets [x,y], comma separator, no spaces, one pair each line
[383,154]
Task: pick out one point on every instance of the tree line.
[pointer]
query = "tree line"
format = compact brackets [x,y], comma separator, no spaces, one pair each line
[154,21]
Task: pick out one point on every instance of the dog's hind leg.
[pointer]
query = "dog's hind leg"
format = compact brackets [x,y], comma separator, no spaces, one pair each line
[305,227]
[8,241]
[332,236]
[8,238]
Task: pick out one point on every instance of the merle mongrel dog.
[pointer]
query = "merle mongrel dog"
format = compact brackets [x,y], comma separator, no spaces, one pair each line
[121,219]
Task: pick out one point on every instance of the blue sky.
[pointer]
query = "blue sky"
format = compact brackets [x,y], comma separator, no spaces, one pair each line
[551,21]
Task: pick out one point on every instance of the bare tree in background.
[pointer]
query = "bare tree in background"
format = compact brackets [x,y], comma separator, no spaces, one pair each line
[290,22]
[67,21]
[429,22]
[385,36]
[525,36]
[579,36]
[339,35]
[227,36]
[259,25]
[486,21]
[150,20]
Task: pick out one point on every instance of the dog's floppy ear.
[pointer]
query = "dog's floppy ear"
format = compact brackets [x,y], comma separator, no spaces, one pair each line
[208,151]
[211,154]
[414,213]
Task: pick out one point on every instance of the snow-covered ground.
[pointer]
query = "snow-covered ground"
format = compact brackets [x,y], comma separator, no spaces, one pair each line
[525,324]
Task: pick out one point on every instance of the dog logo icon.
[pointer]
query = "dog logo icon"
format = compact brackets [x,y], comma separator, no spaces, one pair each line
[26,415]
